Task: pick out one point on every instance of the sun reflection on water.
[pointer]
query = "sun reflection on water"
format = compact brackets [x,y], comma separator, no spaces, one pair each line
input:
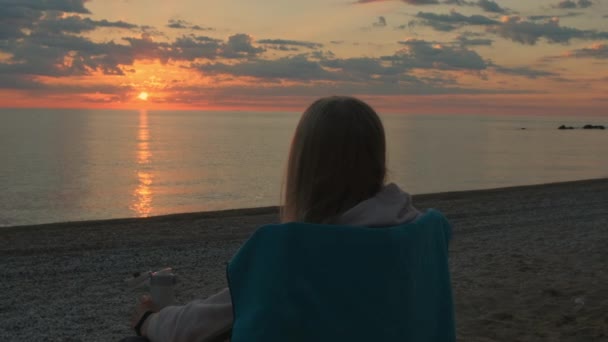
[142,195]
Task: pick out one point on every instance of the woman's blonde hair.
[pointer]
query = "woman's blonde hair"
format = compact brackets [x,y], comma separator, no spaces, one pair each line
[337,159]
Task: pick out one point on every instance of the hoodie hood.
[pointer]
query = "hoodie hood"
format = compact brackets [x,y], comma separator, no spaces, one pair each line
[389,207]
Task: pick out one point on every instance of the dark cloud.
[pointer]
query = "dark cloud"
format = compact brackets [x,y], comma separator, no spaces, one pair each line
[321,55]
[566,4]
[12,22]
[452,21]
[205,39]
[585,3]
[18,19]
[457,2]
[144,48]
[105,92]
[525,72]
[525,31]
[598,51]
[56,23]
[178,24]
[421,2]
[522,31]
[490,6]
[239,46]
[361,68]
[20,16]
[514,28]
[115,24]
[294,68]
[549,17]
[70,6]
[282,44]
[411,2]
[48,54]
[464,40]
[182,24]
[17,81]
[50,43]
[486,5]
[201,28]
[380,23]
[385,70]
[569,4]
[399,84]
[192,47]
[427,55]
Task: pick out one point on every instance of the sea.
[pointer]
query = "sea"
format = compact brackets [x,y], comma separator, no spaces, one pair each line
[60,165]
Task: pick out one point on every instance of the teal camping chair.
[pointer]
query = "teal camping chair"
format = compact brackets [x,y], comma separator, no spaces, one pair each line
[311,282]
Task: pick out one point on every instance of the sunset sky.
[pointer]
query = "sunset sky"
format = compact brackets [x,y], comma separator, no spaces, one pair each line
[406,56]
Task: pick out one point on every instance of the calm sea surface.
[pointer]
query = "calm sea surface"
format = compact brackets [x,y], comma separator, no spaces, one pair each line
[68,165]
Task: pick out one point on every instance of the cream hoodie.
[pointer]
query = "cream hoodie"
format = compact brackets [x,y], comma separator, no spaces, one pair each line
[205,320]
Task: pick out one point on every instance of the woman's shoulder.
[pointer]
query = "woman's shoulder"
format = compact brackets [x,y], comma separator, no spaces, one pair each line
[434,219]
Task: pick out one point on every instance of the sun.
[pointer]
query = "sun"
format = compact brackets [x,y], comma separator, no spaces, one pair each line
[143,96]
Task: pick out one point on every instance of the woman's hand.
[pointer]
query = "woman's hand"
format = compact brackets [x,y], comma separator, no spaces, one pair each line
[144,304]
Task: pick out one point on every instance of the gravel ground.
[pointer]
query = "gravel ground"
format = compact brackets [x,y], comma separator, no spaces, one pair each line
[528,264]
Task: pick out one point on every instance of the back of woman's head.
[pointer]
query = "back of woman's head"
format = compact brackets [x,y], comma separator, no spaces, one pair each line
[337,159]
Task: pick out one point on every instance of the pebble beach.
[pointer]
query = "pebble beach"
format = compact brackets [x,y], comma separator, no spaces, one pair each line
[528,264]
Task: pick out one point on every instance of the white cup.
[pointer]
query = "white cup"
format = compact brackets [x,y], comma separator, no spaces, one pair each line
[162,288]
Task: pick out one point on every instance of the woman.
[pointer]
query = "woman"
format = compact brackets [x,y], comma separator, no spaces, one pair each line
[336,175]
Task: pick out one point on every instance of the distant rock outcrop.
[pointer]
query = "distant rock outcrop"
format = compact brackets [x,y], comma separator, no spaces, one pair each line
[584,127]
[594,127]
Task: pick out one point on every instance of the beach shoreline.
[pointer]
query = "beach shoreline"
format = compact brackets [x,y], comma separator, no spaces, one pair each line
[528,264]
[251,211]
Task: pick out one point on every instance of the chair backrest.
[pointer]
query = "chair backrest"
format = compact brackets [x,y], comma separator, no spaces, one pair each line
[307,282]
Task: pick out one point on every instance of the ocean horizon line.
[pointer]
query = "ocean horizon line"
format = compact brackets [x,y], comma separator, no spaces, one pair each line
[300,110]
